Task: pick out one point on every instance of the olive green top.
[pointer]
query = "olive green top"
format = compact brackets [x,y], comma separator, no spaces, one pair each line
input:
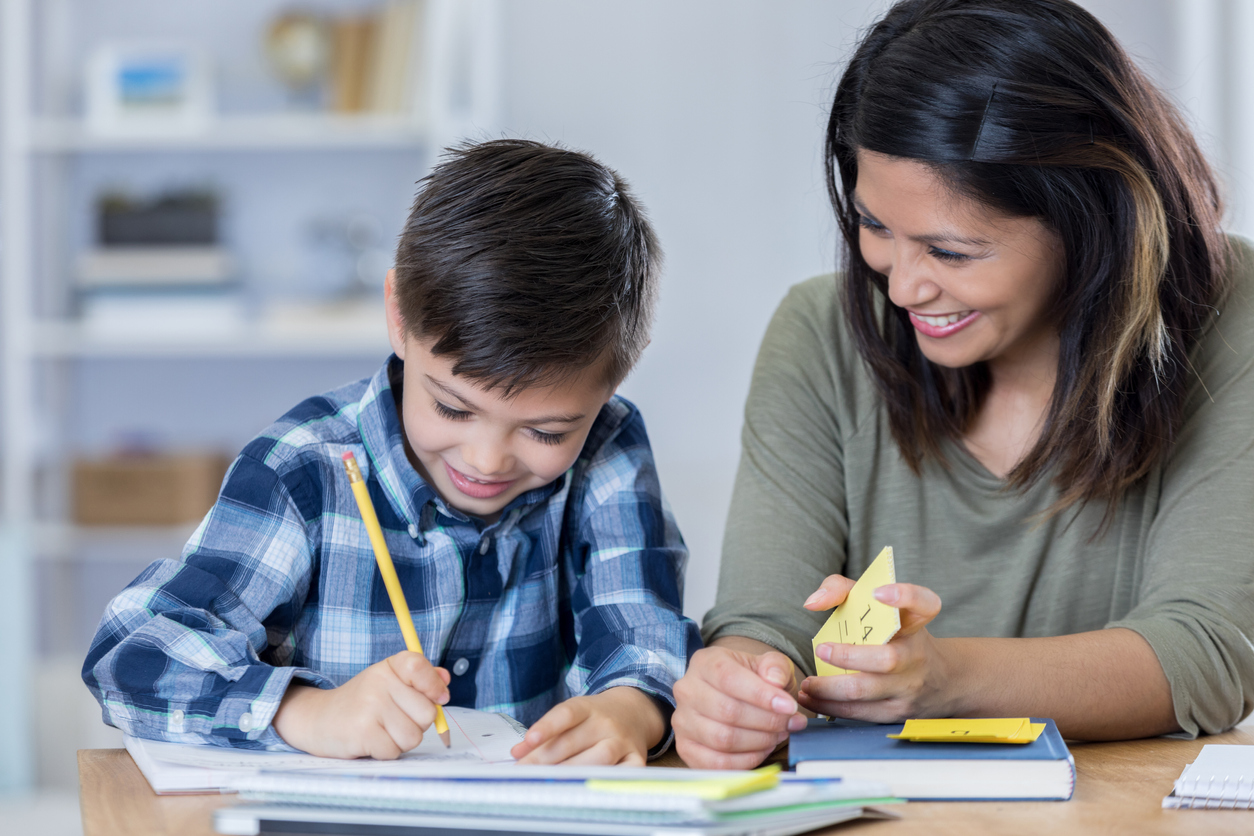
[822,488]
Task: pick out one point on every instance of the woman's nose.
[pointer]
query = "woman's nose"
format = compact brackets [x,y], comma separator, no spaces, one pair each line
[910,281]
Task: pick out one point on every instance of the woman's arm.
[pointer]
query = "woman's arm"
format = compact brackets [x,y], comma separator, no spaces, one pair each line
[1099,685]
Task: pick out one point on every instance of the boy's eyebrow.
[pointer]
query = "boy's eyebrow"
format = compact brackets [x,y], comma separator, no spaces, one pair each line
[934,238]
[543,419]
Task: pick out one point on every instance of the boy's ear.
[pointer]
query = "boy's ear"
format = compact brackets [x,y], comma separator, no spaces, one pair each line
[396,326]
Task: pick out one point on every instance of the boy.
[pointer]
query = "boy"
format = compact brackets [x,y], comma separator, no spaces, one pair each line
[517,494]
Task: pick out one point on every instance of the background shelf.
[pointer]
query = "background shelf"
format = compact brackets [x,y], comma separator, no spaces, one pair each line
[261,132]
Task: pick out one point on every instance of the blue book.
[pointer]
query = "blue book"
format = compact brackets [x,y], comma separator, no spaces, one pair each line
[1037,771]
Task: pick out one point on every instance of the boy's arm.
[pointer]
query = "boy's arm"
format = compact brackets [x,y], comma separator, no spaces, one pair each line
[629,563]
[177,653]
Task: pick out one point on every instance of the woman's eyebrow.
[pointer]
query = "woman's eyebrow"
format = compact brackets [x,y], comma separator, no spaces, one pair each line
[927,238]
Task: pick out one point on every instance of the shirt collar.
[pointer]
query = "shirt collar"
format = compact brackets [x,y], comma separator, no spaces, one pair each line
[378,421]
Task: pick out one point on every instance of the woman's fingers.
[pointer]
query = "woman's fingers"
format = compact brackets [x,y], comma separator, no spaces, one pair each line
[831,593]
[918,605]
[699,756]
[726,738]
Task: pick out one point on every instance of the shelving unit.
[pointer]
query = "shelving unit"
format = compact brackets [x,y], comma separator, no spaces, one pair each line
[42,146]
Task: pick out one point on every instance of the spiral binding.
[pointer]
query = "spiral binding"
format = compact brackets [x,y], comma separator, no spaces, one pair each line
[1212,793]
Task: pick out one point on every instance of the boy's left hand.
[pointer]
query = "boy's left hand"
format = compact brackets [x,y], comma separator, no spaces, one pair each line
[617,726]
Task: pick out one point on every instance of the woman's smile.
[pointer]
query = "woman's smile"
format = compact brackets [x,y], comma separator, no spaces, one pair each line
[943,325]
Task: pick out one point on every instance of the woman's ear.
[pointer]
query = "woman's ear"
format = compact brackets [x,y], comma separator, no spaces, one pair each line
[396,325]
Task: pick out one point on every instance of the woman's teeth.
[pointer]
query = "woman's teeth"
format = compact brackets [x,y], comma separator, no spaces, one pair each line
[941,321]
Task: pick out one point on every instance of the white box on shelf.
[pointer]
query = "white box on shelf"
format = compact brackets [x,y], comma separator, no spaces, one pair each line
[154,265]
[162,315]
[148,89]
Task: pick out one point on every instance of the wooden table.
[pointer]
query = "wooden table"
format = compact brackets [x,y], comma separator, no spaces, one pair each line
[1119,789]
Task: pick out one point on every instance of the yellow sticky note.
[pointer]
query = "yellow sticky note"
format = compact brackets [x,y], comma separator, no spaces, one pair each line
[861,619]
[708,789]
[984,730]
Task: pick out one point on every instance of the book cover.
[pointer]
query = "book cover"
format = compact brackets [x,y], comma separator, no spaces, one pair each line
[1042,769]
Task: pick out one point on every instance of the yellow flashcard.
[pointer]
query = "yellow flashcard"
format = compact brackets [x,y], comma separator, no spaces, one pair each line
[861,619]
[992,730]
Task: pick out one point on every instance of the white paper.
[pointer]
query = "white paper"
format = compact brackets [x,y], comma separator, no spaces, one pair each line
[477,739]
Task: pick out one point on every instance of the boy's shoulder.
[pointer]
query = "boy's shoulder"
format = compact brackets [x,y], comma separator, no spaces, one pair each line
[306,431]
[616,457]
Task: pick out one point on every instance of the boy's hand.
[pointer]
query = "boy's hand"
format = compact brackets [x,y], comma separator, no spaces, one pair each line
[379,713]
[617,726]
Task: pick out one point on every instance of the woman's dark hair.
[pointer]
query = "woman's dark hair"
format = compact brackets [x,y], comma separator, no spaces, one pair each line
[528,263]
[1031,108]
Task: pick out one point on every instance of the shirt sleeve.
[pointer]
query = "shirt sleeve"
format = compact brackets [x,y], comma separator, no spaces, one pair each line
[629,558]
[787,528]
[180,654]
[1195,594]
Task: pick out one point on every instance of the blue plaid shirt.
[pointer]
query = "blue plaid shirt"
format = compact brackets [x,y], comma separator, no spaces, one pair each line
[575,589]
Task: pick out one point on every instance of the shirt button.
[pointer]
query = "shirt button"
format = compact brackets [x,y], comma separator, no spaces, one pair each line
[461,666]
[485,545]
[176,718]
[246,722]
[413,531]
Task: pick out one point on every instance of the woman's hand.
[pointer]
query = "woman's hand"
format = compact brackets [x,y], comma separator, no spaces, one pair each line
[734,706]
[910,676]
[617,726]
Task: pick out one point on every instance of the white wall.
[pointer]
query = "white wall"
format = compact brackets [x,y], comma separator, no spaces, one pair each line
[714,111]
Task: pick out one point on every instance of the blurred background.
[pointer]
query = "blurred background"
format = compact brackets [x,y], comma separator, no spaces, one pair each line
[199,202]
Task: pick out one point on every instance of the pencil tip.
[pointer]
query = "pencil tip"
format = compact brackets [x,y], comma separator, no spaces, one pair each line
[444,735]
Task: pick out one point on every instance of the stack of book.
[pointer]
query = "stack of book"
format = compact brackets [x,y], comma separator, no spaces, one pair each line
[158,268]
[473,786]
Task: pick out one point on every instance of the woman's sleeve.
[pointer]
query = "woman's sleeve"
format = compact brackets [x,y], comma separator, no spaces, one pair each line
[787,526]
[1195,595]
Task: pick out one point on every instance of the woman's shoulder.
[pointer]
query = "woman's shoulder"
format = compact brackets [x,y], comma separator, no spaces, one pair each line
[1226,344]
[808,343]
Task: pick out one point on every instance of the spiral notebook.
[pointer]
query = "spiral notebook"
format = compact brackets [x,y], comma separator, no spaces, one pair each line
[1222,778]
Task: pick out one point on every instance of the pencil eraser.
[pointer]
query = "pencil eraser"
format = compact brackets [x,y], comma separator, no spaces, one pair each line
[349,456]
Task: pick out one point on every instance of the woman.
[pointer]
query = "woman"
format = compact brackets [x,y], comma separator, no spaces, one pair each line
[1033,380]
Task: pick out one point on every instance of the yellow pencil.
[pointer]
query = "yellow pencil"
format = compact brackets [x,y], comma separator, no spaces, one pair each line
[388,571]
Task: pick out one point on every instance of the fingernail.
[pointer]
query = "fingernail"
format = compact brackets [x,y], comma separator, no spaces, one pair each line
[775,676]
[784,705]
[814,598]
[796,723]
[825,652]
[886,594]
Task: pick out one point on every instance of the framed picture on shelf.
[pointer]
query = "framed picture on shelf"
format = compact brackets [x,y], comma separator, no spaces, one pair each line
[137,90]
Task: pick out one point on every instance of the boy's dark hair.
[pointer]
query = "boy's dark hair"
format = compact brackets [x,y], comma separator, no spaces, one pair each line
[528,264]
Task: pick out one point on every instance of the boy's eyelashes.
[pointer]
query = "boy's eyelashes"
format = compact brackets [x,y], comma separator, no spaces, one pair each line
[449,413]
[547,438]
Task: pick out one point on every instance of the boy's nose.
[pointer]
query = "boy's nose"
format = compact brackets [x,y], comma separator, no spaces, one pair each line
[487,460]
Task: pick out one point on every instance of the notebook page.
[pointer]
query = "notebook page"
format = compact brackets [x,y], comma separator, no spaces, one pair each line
[477,738]
[1223,772]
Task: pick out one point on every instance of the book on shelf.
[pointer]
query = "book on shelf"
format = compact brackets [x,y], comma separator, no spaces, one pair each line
[1040,770]
[378,61]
